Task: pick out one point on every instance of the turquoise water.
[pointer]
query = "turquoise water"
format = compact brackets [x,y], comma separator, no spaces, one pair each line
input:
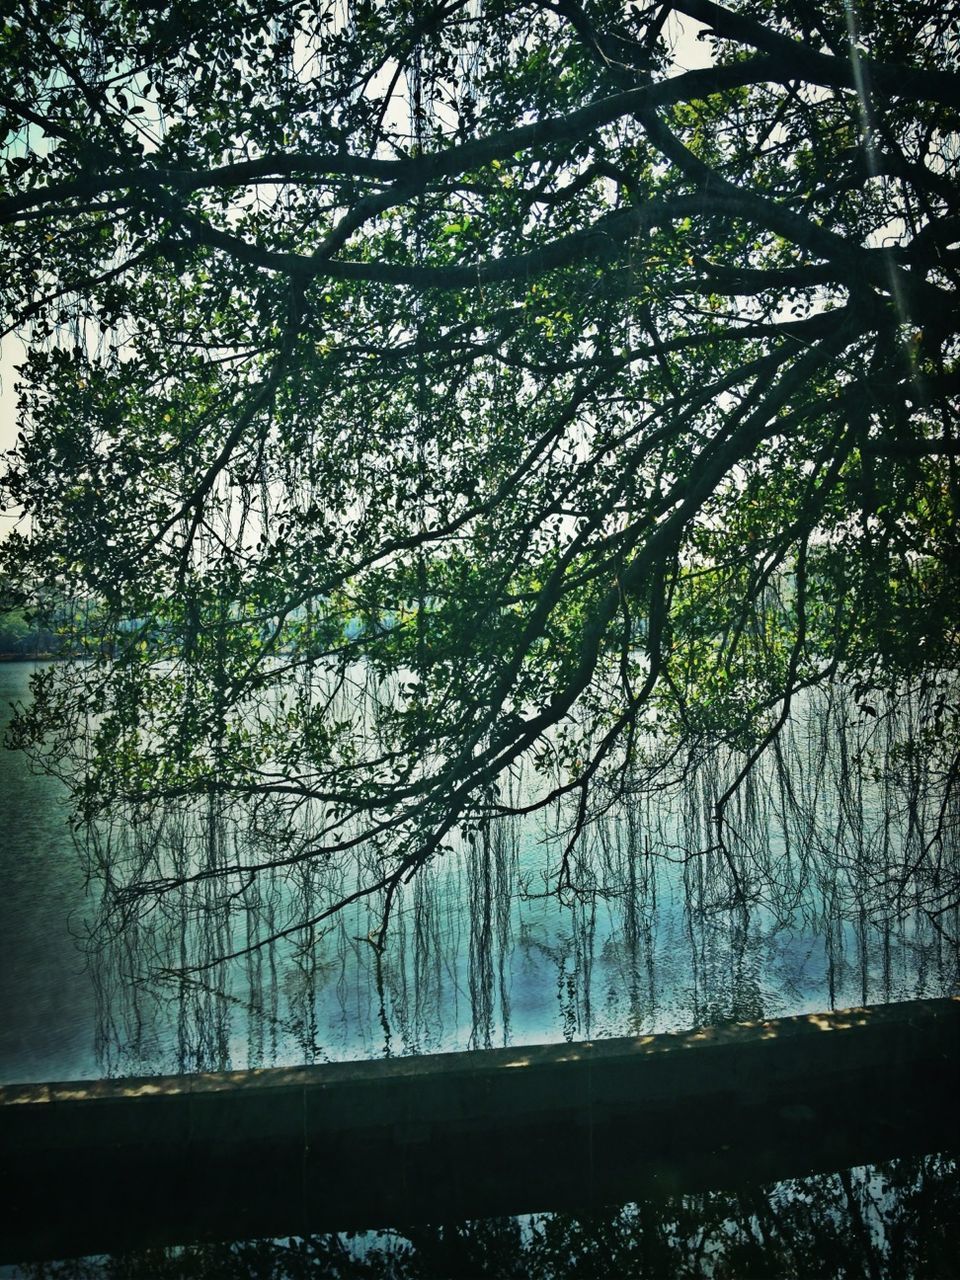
[48,1006]
[480,951]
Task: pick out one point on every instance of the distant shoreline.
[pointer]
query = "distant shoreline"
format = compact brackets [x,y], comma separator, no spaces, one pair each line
[33,657]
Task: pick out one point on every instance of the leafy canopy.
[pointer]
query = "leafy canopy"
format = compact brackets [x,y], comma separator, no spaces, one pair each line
[416,389]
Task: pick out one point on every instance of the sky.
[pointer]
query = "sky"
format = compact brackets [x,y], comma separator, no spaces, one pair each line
[8,402]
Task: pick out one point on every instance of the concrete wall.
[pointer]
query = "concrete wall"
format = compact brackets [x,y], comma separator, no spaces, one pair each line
[95,1165]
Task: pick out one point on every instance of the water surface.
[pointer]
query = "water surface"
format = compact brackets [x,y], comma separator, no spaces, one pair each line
[481,950]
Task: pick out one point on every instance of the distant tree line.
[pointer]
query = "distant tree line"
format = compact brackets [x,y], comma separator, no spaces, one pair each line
[22,637]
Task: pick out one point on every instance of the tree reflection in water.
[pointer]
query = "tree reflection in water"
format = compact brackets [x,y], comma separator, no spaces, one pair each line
[895,1219]
[843,844]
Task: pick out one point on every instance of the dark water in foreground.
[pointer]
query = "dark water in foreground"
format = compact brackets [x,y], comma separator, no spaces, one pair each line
[888,1221]
[480,951]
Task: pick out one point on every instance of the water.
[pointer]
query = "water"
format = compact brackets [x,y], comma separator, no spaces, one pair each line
[889,1221]
[48,1005]
[480,951]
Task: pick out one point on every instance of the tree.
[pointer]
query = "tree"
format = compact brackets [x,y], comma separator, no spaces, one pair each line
[423,389]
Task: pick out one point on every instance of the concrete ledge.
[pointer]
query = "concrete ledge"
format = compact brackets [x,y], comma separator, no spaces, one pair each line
[93,1165]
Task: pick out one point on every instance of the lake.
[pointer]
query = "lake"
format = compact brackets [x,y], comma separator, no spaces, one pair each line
[480,951]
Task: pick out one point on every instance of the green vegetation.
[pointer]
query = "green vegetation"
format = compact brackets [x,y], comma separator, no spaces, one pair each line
[19,638]
[15,632]
[457,388]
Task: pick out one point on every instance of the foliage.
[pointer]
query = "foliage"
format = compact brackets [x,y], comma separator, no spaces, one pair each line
[19,638]
[14,631]
[423,389]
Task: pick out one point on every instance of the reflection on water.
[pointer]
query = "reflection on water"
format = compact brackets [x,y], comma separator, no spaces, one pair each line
[846,871]
[889,1220]
[48,1005]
